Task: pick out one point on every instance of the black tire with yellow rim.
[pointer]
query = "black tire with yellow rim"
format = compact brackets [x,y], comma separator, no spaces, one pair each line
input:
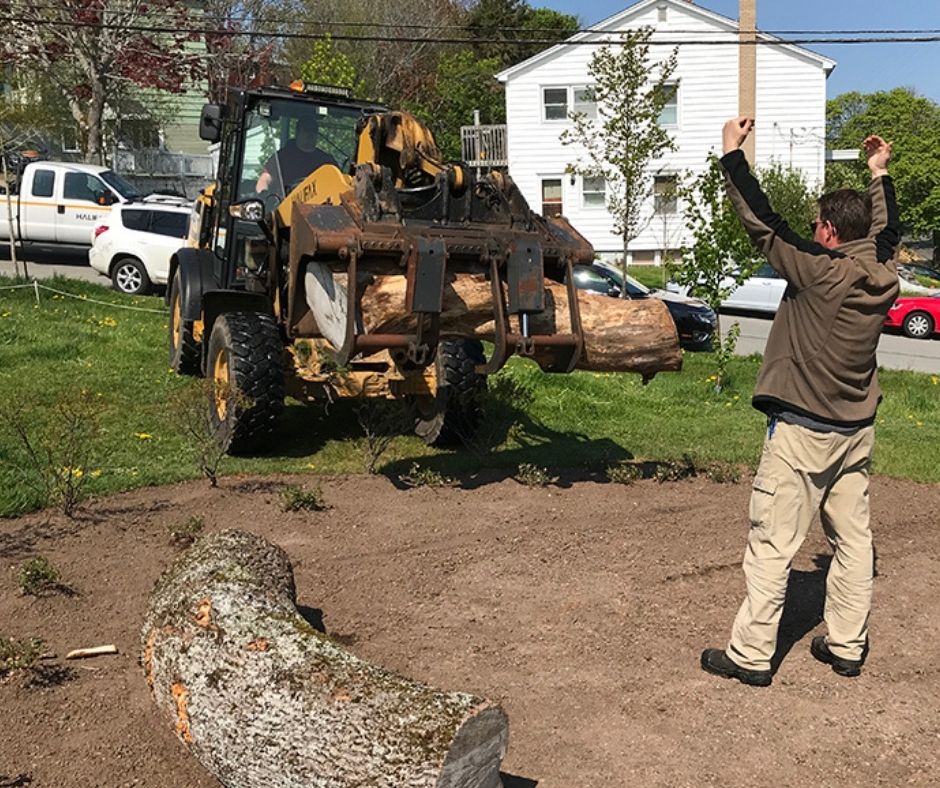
[185,351]
[246,365]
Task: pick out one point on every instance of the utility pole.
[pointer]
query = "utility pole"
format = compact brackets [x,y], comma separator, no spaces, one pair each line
[747,67]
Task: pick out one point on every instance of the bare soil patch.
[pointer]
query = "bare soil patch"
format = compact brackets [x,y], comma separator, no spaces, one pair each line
[582,607]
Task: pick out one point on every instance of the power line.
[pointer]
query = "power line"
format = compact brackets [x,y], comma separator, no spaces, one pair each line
[815,32]
[222,33]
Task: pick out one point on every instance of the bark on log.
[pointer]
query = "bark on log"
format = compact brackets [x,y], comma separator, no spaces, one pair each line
[263,699]
[619,335]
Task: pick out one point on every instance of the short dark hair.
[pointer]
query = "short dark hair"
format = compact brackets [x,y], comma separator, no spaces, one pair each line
[848,211]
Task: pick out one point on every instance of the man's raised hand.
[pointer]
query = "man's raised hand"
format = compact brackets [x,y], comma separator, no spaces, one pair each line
[735,131]
[878,154]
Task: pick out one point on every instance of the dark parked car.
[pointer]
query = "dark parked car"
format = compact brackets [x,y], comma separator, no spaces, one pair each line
[695,320]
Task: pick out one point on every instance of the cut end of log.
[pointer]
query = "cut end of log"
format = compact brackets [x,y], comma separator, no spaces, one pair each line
[263,699]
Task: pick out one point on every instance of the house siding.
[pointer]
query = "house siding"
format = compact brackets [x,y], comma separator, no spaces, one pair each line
[791,94]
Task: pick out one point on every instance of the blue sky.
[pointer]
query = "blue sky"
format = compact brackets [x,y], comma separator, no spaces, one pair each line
[863,67]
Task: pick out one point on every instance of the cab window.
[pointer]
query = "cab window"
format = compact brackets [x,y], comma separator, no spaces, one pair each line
[81,186]
[43,181]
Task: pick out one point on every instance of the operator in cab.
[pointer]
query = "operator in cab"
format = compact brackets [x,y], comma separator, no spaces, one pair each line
[296,160]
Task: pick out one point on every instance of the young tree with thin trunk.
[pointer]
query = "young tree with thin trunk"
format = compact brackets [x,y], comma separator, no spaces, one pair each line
[625,139]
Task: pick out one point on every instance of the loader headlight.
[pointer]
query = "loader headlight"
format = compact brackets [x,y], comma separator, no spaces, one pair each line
[248,211]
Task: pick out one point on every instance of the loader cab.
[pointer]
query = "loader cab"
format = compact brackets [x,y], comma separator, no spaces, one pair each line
[270,140]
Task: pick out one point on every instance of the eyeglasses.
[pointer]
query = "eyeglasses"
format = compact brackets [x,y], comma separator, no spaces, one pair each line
[817,223]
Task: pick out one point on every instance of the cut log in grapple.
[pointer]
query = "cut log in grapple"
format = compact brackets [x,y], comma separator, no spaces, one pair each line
[452,223]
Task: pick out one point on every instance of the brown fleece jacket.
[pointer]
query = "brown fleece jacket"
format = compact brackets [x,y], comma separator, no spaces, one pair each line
[820,356]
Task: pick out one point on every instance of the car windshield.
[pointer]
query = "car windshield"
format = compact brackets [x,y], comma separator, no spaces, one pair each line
[635,288]
[122,187]
[289,139]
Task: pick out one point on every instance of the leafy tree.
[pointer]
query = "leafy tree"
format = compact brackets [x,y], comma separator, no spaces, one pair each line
[498,26]
[624,140]
[392,74]
[328,66]
[912,123]
[233,58]
[463,83]
[721,255]
[110,46]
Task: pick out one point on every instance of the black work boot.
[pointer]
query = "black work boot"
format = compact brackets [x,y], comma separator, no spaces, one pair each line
[844,667]
[714,660]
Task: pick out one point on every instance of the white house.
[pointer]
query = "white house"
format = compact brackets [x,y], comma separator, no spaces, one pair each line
[540,91]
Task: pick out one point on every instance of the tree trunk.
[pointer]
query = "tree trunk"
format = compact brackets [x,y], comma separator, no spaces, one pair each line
[264,700]
[619,336]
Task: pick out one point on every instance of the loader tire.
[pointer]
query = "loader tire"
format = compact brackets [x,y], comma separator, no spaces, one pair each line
[246,363]
[453,414]
[184,349]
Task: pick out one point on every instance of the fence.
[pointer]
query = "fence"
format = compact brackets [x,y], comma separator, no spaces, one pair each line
[484,146]
[151,169]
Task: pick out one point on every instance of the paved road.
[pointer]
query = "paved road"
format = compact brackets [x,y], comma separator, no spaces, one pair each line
[45,265]
[895,351]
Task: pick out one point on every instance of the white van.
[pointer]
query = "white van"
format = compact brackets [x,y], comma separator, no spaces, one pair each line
[60,203]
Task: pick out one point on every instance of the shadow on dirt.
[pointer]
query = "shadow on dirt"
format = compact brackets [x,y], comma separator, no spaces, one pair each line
[803,609]
[511,781]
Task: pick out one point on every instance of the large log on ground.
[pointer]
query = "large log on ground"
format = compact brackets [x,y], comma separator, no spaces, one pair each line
[619,335]
[263,699]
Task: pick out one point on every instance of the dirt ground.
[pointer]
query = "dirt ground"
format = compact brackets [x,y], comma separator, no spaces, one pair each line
[581,607]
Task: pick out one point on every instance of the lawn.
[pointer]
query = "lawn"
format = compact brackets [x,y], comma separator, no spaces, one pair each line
[105,356]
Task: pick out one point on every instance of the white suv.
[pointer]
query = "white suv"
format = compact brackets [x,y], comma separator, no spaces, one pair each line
[134,244]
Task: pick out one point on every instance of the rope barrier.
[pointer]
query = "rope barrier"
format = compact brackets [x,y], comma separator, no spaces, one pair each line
[36,287]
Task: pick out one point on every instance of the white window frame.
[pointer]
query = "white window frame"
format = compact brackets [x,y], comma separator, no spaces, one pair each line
[675,98]
[561,183]
[542,90]
[585,192]
[589,108]
[657,197]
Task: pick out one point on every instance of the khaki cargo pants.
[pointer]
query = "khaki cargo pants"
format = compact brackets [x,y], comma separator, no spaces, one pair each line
[801,472]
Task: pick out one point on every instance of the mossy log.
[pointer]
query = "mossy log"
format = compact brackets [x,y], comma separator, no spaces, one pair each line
[261,698]
[619,335]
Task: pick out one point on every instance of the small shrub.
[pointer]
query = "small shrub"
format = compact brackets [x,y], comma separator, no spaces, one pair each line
[425,477]
[381,421]
[185,533]
[19,654]
[37,575]
[501,408]
[299,499]
[191,407]
[533,476]
[57,450]
[721,472]
[675,470]
[624,473]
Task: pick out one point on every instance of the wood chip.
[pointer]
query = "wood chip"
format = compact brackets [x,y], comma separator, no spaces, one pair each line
[96,651]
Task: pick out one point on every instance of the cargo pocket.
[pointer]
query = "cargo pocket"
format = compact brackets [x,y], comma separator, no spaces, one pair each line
[763,490]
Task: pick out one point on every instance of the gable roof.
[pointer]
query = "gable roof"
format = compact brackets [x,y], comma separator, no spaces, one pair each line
[614,23]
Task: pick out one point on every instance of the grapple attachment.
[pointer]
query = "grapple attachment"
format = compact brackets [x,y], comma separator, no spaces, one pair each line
[428,224]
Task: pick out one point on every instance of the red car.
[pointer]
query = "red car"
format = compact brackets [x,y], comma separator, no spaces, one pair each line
[916,316]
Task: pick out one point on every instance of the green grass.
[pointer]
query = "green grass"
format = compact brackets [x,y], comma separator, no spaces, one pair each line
[653,276]
[65,346]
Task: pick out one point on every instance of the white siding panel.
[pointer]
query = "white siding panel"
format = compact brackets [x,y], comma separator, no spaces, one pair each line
[790,121]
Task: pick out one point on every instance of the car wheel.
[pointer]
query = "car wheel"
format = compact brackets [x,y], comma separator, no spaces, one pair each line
[918,325]
[128,275]
[246,365]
